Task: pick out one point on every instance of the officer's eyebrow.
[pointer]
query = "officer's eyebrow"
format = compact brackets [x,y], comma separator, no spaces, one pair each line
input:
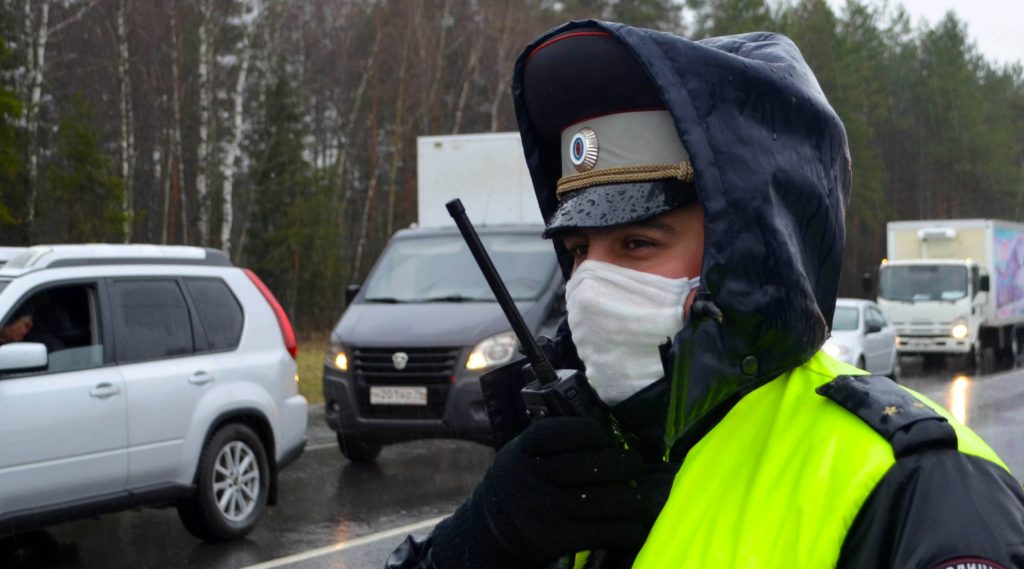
[655,223]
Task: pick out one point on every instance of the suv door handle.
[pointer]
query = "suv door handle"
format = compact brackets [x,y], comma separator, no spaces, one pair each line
[104,390]
[200,378]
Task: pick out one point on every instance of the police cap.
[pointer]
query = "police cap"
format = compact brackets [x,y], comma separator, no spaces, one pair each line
[621,157]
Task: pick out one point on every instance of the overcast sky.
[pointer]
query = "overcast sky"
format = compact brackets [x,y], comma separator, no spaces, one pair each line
[996,26]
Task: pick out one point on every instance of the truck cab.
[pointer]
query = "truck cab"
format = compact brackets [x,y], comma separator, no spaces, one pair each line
[955,287]
[935,305]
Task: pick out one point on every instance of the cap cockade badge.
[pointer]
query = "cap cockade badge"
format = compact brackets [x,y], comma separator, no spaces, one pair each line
[583,149]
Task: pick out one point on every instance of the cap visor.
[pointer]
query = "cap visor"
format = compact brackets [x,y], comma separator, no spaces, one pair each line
[619,204]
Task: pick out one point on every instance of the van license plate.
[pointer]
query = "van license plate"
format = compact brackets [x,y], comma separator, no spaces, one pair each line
[398,395]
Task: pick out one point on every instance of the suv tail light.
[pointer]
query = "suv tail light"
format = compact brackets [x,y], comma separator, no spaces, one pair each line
[282,319]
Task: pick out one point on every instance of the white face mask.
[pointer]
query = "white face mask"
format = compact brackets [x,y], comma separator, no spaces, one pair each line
[618,318]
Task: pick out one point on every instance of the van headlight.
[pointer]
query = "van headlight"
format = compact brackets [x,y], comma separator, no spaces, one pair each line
[959,330]
[336,357]
[494,351]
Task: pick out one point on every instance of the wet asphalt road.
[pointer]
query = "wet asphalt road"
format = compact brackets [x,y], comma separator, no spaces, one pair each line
[323,500]
[338,515]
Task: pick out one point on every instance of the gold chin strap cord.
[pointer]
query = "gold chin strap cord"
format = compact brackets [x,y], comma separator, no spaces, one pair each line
[682,171]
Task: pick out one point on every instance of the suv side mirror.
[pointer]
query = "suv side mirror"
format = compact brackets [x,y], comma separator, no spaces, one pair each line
[872,328]
[983,285]
[350,293]
[23,356]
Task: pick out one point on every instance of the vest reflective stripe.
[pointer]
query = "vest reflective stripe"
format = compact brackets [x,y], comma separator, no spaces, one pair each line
[778,482]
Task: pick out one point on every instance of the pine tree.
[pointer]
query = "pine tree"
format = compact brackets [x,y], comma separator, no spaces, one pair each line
[10,146]
[285,207]
[83,196]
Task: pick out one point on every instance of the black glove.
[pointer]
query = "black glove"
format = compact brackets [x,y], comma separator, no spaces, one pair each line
[563,485]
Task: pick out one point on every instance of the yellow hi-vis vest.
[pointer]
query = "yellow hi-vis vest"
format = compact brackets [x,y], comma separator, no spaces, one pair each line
[778,482]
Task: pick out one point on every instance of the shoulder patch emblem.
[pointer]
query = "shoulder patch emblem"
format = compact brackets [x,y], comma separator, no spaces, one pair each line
[968,563]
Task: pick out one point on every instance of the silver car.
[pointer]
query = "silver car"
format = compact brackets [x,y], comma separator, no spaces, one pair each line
[135,374]
[861,336]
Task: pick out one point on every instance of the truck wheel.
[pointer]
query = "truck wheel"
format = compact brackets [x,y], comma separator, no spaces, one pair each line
[974,356]
[232,484]
[985,359]
[357,450]
[1006,357]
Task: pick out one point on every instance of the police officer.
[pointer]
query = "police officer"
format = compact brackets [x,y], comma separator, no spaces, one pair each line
[695,193]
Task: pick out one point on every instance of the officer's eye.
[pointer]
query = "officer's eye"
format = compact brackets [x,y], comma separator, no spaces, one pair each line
[576,246]
[634,244]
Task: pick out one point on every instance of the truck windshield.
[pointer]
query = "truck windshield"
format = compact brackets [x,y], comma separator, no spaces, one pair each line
[846,318]
[441,269]
[914,283]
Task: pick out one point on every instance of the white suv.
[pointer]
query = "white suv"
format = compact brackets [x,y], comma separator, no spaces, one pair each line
[143,374]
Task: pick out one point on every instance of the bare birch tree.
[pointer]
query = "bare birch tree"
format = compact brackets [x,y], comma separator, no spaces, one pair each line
[36,67]
[177,188]
[205,104]
[502,63]
[433,87]
[38,33]
[346,137]
[467,80]
[398,133]
[127,133]
[370,192]
[250,12]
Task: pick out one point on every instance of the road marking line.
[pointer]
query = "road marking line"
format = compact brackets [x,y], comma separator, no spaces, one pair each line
[321,551]
[321,447]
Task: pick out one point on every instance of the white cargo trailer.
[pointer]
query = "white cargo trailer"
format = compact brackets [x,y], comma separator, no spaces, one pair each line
[486,171]
[955,287]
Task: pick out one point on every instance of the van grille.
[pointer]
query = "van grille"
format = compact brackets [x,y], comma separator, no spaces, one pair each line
[428,367]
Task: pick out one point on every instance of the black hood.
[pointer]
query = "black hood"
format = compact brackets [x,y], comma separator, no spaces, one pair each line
[773,176]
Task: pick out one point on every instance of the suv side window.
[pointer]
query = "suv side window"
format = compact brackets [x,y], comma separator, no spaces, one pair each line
[64,318]
[219,312]
[151,320]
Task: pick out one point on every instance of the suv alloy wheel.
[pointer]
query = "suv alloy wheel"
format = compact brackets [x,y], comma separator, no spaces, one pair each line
[231,486]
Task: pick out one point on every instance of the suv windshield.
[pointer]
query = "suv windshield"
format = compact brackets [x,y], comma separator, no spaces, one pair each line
[923,282]
[3,284]
[846,318]
[441,268]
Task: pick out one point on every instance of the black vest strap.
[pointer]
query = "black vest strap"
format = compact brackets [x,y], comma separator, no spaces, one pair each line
[909,425]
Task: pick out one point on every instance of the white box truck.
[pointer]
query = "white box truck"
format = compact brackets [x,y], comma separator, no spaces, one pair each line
[404,360]
[955,287]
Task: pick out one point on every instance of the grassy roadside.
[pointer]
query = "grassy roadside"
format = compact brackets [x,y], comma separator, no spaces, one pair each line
[311,365]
